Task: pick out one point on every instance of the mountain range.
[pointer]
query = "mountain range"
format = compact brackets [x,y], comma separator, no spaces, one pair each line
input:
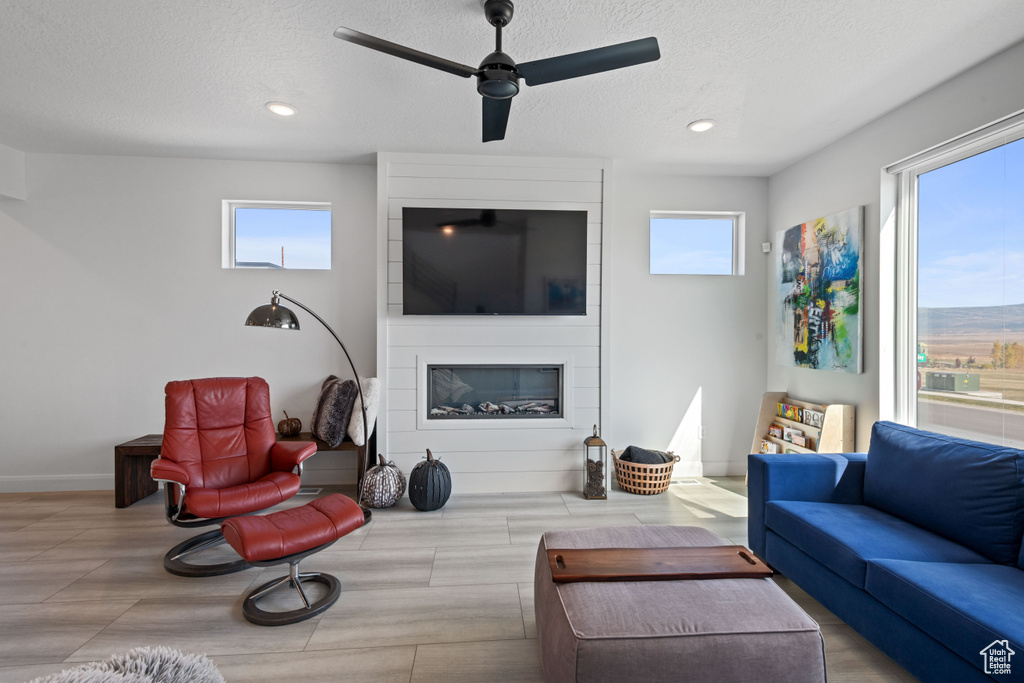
[994,321]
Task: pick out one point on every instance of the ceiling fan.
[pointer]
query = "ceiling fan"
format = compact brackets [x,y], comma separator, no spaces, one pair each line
[498,75]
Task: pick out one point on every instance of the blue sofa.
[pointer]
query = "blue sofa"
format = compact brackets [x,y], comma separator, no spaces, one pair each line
[916,545]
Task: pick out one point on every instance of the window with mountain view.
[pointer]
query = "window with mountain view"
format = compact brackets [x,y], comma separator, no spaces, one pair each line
[970,296]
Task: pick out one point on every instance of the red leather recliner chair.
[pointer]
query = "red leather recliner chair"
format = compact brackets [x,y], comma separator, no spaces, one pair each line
[220,459]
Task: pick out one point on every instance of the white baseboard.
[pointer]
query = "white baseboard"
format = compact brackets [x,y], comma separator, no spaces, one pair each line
[57,482]
[725,469]
[683,470]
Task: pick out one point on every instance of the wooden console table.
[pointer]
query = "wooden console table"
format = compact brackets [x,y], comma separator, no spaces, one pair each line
[131,469]
[343,446]
[132,481]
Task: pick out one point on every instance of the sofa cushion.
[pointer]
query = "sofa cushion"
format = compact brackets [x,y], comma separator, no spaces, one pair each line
[966,607]
[844,537]
[954,487]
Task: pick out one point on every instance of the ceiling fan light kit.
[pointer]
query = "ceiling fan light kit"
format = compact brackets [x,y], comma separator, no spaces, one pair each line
[498,74]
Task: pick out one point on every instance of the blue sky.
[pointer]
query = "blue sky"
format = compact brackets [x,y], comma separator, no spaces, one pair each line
[691,246]
[305,235]
[971,231]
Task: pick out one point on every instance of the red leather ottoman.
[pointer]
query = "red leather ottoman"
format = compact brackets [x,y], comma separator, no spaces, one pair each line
[289,536]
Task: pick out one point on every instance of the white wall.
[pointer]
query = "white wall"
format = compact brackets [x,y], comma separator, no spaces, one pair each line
[113,286]
[111,271]
[489,456]
[685,349]
[846,174]
[12,173]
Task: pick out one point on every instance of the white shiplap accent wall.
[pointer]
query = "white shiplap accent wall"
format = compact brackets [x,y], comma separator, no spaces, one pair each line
[497,458]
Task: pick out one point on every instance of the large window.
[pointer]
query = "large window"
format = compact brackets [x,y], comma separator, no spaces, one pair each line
[277,235]
[962,263]
[687,243]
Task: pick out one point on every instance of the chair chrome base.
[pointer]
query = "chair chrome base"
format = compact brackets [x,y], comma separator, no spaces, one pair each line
[262,617]
[174,560]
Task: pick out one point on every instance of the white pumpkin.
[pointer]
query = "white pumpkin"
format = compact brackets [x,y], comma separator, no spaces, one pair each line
[383,484]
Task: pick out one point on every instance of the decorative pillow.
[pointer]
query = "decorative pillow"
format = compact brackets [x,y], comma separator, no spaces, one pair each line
[334,410]
[644,456]
[371,389]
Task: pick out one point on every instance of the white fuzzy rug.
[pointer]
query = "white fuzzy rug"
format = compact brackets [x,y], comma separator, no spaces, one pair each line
[142,665]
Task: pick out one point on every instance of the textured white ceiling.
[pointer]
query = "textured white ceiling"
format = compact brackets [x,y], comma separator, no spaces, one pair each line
[190,77]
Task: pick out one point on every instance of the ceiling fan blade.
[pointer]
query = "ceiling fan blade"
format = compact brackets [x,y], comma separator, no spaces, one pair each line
[589,61]
[496,118]
[404,52]
[464,223]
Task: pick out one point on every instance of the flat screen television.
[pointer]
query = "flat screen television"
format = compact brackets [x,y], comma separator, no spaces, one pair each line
[493,262]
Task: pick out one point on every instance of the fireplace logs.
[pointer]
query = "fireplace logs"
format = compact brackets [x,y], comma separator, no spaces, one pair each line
[488,409]
[494,391]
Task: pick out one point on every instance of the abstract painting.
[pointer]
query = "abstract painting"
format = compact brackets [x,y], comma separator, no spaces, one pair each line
[817,277]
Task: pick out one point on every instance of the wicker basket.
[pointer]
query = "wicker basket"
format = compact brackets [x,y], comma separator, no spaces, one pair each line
[645,480]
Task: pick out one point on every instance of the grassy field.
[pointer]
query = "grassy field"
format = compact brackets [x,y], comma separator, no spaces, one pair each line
[943,351]
[949,347]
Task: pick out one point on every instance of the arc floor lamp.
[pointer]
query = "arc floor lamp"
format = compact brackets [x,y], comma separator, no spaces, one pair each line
[281,317]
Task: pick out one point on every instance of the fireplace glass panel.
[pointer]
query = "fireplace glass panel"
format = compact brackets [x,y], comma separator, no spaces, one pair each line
[474,392]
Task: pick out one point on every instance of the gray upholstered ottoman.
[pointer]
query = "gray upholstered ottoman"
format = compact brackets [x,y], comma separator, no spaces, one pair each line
[711,630]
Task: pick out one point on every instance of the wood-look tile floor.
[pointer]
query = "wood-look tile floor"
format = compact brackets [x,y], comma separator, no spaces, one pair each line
[439,596]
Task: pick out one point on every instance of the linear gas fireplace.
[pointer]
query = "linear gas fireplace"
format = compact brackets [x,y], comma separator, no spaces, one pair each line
[494,392]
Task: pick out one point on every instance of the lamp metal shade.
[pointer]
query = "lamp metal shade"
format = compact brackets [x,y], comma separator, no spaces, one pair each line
[273,315]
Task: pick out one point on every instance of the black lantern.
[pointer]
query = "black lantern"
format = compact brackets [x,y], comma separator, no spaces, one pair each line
[596,468]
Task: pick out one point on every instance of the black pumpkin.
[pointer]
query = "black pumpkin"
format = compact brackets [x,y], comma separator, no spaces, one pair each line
[430,484]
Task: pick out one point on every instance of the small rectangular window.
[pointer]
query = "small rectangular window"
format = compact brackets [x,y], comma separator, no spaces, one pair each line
[689,243]
[281,235]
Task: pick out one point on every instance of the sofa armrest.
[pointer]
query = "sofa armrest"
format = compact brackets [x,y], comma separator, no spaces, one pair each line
[285,456]
[162,469]
[816,477]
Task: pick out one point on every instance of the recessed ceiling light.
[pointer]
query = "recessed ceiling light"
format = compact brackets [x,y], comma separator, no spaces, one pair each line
[281,109]
[701,125]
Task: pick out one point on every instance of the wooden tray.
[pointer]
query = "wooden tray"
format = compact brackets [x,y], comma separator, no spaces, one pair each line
[655,564]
